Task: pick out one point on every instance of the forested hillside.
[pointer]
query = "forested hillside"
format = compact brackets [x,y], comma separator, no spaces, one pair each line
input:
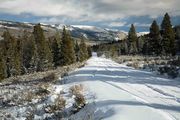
[32,52]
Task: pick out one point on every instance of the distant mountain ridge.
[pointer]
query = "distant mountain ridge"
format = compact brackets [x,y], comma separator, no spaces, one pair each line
[91,33]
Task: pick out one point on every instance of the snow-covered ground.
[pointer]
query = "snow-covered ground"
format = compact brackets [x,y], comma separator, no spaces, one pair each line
[123,93]
[112,91]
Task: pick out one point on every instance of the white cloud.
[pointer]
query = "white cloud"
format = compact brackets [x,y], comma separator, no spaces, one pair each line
[49,20]
[118,24]
[142,25]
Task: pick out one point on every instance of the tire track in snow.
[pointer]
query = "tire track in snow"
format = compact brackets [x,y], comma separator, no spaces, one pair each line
[100,64]
[163,93]
[147,103]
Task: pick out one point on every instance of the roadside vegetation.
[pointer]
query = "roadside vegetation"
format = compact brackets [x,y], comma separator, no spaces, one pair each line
[157,51]
[35,96]
[31,67]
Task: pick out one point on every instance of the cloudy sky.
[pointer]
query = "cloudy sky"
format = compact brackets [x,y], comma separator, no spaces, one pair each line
[114,14]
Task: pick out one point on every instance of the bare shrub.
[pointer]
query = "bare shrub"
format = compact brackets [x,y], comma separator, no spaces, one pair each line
[134,65]
[58,105]
[30,115]
[81,66]
[173,74]
[79,98]
[15,80]
[76,89]
[28,96]
[8,115]
[80,102]
[64,74]
[175,62]
[42,89]
[171,71]
[50,77]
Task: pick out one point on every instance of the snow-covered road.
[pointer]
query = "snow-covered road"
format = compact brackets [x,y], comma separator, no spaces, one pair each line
[123,93]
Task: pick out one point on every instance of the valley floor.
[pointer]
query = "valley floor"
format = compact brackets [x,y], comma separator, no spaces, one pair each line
[123,93]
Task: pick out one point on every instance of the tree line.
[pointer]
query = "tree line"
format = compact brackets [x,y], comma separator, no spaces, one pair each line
[159,41]
[32,52]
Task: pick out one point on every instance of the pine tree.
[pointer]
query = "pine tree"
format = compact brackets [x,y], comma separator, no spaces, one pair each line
[49,55]
[18,57]
[89,51]
[6,43]
[83,50]
[154,39]
[77,51]
[145,49]
[132,40]
[168,41]
[56,52]
[67,49]
[140,44]
[10,47]
[44,60]
[177,34]
[58,38]
[123,47]
[113,51]
[30,55]
[3,68]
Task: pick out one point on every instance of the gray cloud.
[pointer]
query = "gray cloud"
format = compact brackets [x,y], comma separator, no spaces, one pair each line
[92,9]
[111,11]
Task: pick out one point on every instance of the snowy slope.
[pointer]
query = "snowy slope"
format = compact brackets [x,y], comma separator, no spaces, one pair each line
[90,28]
[123,93]
[142,33]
